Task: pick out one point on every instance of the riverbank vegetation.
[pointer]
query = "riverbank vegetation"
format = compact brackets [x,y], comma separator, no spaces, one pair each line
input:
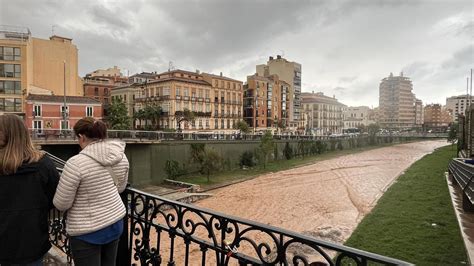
[414,220]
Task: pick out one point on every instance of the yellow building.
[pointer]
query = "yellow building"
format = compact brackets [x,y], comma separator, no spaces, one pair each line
[290,72]
[33,65]
[215,100]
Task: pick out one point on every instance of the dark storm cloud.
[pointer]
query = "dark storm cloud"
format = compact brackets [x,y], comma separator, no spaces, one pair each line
[103,15]
[341,44]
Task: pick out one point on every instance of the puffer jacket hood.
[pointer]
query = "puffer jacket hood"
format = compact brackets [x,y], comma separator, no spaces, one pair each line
[106,152]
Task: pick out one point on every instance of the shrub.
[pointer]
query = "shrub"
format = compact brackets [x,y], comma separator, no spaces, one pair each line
[321,146]
[172,169]
[288,151]
[247,159]
[339,146]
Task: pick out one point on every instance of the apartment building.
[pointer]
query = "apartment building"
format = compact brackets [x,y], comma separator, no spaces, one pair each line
[457,105]
[356,116]
[127,93]
[325,114]
[46,111]
[289,72]
[397,103]
[33,65]
[109,72]
[437,117]
[142,77]
[216,100]
[266,102]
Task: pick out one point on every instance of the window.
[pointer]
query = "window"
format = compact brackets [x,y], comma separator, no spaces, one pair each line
[10,70]
[64,125]
[62,110]
[166,91]
[96,91]
[178,91]
[37,110]
[10,87]
[186,92]
[207,93]
[38,126]
[10,53]
[89,111]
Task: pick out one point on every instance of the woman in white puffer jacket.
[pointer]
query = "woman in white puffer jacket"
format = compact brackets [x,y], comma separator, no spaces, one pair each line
[89,190]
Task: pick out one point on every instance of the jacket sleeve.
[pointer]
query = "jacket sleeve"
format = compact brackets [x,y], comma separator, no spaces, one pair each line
[52,177]
[122,179]
[67,187]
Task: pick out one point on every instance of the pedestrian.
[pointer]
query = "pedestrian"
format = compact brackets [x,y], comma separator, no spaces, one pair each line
[89,190]
[28,180]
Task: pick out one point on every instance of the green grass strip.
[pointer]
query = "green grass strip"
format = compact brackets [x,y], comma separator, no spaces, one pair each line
[414,220]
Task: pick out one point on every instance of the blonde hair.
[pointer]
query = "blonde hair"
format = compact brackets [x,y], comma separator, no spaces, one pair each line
[15,145]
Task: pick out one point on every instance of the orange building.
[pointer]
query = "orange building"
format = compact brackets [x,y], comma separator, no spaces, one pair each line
[46,111]
[266,102]
[215,100]
[436,117]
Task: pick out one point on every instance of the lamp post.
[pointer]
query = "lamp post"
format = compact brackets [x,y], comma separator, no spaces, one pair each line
[64,106]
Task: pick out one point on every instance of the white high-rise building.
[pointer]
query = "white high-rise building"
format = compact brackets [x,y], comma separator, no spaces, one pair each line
[457,105]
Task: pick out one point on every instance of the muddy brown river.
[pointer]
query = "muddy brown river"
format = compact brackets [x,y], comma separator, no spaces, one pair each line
[326,199]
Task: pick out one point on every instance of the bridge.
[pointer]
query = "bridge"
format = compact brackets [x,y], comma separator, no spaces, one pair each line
[67,136]
[159,230]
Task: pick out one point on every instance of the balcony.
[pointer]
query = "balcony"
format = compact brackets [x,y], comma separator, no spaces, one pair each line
[158,231]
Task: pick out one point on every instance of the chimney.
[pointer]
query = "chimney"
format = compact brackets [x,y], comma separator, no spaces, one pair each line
[270,58]
[221,74]
[278,56]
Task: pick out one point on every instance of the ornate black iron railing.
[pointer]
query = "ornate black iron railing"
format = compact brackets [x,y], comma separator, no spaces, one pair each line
[159,231]
[462,172]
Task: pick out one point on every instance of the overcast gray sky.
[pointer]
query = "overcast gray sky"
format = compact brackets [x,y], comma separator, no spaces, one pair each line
[345,47]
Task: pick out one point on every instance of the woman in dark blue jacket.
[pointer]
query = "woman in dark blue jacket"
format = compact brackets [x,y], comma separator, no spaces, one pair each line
[28,180]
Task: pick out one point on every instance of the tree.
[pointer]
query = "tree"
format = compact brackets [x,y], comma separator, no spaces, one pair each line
[242,126]
[185,115]
[281,125]
[208,159]
[452,134]
[211,161]
[153,113]
[372,129]
[266,147]
[362,128]
[139,115]
[118,115]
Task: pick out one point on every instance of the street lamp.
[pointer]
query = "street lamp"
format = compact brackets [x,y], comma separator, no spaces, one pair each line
[64,106]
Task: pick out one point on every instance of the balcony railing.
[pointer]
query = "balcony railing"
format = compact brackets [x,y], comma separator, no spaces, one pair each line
[159,230]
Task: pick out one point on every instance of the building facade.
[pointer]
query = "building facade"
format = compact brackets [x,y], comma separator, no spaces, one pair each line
[437,117]
[289,72]
[33,65]
[46,111]
[457,105]
[355,117]
[325,114]
[127,93]
[266,103]
[216,101]
[109,72]
[397,103]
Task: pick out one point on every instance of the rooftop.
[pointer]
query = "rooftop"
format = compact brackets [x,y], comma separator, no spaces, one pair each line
[60,99]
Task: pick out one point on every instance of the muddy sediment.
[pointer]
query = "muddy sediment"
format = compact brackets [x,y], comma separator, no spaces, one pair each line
[326,199]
